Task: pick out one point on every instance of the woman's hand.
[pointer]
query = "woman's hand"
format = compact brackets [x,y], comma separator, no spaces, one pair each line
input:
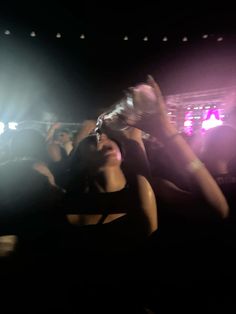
[51,131]
[56,126]
[88,126]
[158,123]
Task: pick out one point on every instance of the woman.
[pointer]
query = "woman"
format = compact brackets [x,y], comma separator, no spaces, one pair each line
[112,217]
[104,194]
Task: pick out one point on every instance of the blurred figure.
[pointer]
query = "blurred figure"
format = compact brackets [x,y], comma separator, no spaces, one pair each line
[28,143]
[99,173]
[188,244]
[59,142]
[61,145]
[31,228]
[219,149]
[114,215]
[219,156]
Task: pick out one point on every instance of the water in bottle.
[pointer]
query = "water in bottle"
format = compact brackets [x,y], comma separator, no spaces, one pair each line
[138,102]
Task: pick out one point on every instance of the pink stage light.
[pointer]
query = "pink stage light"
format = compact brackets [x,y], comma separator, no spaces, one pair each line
[188,123]
[212,120]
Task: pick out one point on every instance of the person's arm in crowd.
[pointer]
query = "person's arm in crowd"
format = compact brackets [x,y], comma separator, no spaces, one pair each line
[51,132]
[146,212]
[7,244]
[183,156]
[87,127]
[53,148]
[136,160]
[134,135]
[54,152]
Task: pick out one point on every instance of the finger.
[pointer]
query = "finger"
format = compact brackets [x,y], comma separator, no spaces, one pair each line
[156,88]
[150,79]
[153,84]
[131,88]
[136,96]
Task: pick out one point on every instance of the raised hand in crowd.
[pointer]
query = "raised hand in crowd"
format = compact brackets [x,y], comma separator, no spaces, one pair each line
[201,184]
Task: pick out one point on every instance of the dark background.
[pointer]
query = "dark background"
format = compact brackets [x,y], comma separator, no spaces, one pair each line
[75,78]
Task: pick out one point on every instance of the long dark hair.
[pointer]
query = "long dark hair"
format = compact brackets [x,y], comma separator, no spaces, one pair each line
[80,166]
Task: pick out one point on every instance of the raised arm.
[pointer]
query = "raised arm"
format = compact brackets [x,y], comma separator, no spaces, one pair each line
[87,127]
[51,132]
[180,152]
[146,211]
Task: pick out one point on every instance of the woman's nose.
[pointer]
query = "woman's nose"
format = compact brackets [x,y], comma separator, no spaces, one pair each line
[101,140]
[102,137]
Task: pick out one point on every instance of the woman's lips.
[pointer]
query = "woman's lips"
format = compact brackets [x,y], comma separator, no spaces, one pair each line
[110,152]
[107,151]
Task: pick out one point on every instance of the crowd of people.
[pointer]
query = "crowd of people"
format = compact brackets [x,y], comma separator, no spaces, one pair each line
[105,221]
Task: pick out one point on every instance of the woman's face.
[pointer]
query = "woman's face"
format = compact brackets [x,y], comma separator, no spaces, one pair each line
[101,152]
[63,137]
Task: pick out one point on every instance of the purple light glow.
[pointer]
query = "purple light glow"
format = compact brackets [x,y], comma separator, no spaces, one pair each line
[212,120]
[188,123]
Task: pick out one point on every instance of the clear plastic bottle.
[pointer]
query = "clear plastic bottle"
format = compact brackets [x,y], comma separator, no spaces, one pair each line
[139,102]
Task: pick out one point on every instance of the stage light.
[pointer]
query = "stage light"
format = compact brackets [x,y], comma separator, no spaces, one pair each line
[165,39]
[126,38]
[7,32]
[211,123]
[58,35]
[145,38]
[188,123]
[220,39]
[82,36]
[2,126]
[12,125]
[184,39]
[205,36]
[32,34]
[212,120]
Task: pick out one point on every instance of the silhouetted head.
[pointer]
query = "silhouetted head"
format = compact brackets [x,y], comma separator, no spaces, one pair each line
[219,145]
[26,186]
[63,136]
[28,143]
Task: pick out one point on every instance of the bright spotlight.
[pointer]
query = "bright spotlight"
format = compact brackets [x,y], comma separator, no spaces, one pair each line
[165,39]
[220,39]
[33,34]
[12,125]
[205,36]
[7,32]
[2,126]
[82,36]
[126,38]
[145,38]
[184,39]
[58,35]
